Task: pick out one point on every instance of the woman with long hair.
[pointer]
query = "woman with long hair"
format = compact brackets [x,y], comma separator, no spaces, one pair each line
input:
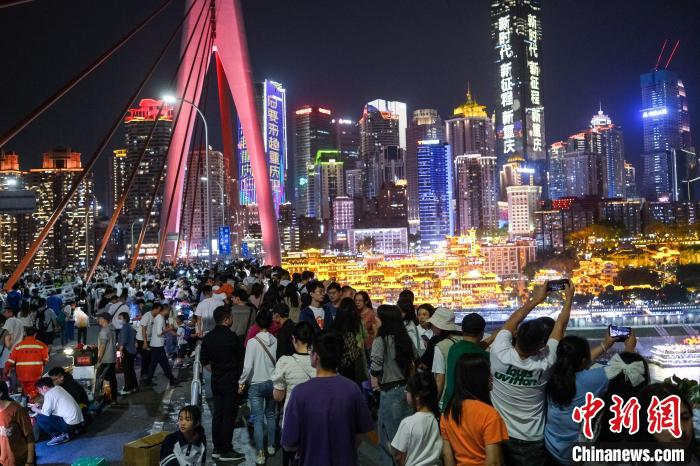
[17,441]
[392,362]
[410,321]
[418,441]
[353,364]
[368,317]
[571,378]
[471,428]
[291,298]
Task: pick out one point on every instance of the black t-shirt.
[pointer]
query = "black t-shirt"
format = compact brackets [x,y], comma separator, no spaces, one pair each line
[284,339]
[224,351]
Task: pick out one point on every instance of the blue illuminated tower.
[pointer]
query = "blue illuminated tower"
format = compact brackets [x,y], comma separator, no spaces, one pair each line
[667,138]
[434,191]
[270,99]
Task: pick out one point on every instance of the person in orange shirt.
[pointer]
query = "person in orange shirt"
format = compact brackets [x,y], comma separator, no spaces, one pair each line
[28,357]
[472,430]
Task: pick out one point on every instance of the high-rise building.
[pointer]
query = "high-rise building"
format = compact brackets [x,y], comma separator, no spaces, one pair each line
[584,174]
[71,241]
[434,193]
[555,174]
[668,175]
[343,220]
[15,228]
[625,213]
[378,129]
[522,205]
[609,142]
[630,181]
[516,31]
[331,184]
[118,172]
[195,219]
[347,139]
[666,126]
[477,192]
[395,108]
[313,130]
[549,231]
[391,166]
[378,240]
[271,104]
[137,125]
[288,227]
[425,124]
[353,182]
[470,133]
[392,204]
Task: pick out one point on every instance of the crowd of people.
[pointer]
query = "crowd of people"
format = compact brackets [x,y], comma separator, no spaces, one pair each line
[322,369]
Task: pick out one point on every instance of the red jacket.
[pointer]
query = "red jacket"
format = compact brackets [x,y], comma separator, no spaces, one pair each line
[28,357]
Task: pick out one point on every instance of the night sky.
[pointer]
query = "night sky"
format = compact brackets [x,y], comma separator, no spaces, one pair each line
[342,54]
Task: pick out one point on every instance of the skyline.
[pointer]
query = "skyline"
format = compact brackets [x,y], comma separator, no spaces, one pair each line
[439,80]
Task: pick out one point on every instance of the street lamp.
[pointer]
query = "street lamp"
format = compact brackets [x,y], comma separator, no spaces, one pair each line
[133,246]
[170,99]
[223,211]
[691,181]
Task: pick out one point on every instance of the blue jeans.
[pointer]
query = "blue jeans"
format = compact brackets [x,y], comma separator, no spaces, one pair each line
[54,425]
[392,409]
[262,407]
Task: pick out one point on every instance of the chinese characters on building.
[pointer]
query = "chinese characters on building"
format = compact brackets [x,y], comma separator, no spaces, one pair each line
[506,74]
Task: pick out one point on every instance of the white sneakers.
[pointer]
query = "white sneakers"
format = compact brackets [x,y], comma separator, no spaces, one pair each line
[260,459]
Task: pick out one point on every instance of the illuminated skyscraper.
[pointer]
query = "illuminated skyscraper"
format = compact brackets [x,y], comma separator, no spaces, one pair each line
[313,132]
[195,220]
[137,125]
[666,127]
[555,172]
[379,128]
[118,172]
[516,31]
[288,227]
[343,220]
[271,103]
[70,242]
[474,175]
[630,181]
[522,205]
[15,228]
[609,142]
[347,134]
[331,185]
[434,193]
[426,124]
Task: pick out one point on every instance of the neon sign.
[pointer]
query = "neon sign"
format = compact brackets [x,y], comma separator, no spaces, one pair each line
[655,112]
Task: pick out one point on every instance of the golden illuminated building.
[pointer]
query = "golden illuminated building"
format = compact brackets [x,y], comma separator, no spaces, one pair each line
[15,228]
[70,241]
[593,276]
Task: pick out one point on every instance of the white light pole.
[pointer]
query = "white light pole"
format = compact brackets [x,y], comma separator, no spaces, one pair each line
[690,181]
[133,246]
[169,99]
[223,211]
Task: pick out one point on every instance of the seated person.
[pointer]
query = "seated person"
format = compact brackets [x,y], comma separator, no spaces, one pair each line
[187,446]
[59,415]
[66,381]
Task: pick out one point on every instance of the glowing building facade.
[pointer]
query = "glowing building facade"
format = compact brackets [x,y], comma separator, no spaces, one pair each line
[71,241]
[425,124]
[380,127]
[15,228]
[434,192]
[516,31]
[271,106]
[313,129]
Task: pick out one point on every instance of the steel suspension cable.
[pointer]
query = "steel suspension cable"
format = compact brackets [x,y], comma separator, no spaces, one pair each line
[132,175]
[205,61]
[46,104]
[36,244]
[200,140]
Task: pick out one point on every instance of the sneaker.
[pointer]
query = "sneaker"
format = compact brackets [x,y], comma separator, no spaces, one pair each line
[232,455]
[63,438]
[123,392]
[260,459]
[271,451]
[215,454]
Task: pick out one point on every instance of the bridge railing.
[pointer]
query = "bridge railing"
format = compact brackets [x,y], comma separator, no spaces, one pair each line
[196,384]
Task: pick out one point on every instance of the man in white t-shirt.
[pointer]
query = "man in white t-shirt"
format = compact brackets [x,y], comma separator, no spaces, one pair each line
[205,311]
[14,326]
[59,415]
[156,343]
[143,335]
[521,370]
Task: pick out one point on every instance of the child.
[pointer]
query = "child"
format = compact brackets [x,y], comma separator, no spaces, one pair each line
[181,333]
[187,446]
[417,441]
